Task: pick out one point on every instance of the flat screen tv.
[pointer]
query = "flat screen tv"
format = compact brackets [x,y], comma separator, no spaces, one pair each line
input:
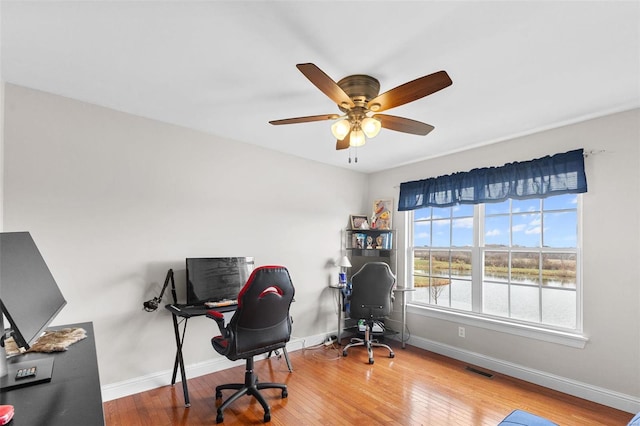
[212,279]
[29,295]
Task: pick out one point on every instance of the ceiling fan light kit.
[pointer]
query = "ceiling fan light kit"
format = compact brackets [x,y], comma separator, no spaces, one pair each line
[357,96]
[357,138]
[341,128]
[371,126]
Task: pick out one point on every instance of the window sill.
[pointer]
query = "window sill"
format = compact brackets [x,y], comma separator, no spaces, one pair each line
[574,340]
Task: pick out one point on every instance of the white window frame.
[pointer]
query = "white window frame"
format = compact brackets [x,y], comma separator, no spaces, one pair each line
[573,338]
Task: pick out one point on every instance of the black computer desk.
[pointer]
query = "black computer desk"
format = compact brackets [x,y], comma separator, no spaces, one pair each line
[72,397]
[185,312]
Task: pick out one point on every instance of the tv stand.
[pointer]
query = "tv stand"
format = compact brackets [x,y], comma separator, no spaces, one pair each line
[72,396]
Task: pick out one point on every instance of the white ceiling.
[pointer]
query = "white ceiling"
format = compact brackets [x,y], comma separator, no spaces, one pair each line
[228,67]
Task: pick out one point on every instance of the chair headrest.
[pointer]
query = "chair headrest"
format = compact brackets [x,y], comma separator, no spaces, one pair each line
[271,290]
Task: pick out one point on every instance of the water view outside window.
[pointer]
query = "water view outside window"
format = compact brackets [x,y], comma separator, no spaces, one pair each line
[525,252]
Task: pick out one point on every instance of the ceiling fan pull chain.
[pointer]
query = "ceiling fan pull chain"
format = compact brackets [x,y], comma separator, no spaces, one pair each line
[349,155]
[356,154]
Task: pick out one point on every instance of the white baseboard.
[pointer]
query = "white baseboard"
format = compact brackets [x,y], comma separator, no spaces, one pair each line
[163,378]
[596,394]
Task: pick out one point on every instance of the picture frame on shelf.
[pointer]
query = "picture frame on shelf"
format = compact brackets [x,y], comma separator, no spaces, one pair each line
[359,221]
[382,214]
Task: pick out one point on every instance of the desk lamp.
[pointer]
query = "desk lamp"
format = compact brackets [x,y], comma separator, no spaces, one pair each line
[152,305]
[344,263]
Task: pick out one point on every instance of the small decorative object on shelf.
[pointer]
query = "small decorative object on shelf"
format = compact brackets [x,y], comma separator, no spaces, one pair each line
[359,221]
[387,241]
[369,242]
[381,217]
[379,242]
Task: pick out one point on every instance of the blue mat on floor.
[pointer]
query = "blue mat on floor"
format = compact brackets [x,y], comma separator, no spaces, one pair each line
[522,418]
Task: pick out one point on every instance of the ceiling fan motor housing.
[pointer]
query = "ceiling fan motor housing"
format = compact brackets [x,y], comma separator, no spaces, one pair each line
[360,88]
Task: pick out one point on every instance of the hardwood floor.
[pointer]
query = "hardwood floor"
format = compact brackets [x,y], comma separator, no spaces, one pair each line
[416,387]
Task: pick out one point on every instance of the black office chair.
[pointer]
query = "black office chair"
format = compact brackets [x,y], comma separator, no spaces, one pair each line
[260,324]
[371,300]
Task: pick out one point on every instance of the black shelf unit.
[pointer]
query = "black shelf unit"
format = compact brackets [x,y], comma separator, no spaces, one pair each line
[382,243]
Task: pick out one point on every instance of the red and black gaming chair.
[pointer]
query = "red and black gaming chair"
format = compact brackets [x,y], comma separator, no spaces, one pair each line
[260,324]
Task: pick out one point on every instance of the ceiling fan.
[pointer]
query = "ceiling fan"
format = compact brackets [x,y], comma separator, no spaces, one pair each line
[357,96]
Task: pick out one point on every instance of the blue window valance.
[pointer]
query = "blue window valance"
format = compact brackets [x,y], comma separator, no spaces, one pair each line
[551,175]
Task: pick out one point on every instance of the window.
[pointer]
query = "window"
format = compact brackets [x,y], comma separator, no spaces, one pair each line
[516,260]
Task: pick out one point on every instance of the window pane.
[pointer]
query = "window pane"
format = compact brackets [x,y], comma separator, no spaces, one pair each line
[559,270]
[462,232]
[441,233]
[439,291]
[421,262]
[496,208]
[496,266]
[496,231]
[420,281]
[560,229]
[422,213]
[566,201]
[461,294]
[495,300]
[559,307]
[525,268]
[441,212]
[440,263]
[422,291]
[462,210]
[526,230]
[421,234]
[523,206]
[525,303]
[461,264]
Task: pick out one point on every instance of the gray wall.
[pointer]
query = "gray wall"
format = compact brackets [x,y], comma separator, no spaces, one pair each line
[611,255]
[114,200]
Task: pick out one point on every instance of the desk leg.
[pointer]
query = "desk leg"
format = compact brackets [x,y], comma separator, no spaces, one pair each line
[286,357]
[179,362]
[340,306]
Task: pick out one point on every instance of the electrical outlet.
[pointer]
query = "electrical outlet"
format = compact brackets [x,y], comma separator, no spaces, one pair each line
[460,331]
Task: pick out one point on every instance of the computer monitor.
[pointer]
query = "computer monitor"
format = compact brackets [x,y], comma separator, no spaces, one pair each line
[29,295]
[212,279]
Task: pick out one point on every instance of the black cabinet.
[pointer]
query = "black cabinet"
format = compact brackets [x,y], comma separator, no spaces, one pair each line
[72,397]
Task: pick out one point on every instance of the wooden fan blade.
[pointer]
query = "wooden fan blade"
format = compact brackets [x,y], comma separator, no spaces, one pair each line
[410,91]
[405,125]
[305,119]
[344,143]
[326,85]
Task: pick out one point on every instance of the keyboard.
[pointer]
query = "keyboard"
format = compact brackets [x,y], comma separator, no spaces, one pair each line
[221,303]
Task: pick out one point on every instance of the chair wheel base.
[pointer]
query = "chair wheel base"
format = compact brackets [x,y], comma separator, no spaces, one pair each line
[219,418]
[285,394]
[392,355]
[267,417]
[370,360]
